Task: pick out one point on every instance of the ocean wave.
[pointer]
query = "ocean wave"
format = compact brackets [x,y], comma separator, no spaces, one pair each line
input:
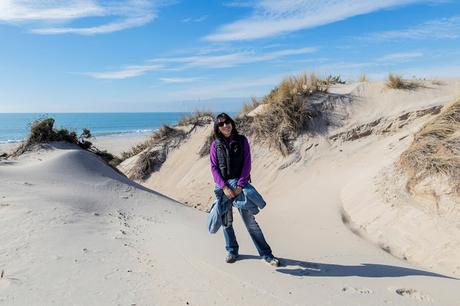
[123,133]
[96,134]
[11,141]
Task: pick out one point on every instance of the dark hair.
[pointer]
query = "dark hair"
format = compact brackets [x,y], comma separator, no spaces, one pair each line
[217,133]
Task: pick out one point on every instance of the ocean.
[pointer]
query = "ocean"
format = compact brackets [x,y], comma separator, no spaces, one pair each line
[14,127]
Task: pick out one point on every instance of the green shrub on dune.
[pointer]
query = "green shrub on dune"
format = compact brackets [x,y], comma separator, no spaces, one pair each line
[42,131]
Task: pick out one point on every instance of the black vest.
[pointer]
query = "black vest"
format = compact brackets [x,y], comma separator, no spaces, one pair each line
[230,158]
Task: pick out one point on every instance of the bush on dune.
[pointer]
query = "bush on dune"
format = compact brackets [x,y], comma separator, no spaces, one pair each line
[43,131]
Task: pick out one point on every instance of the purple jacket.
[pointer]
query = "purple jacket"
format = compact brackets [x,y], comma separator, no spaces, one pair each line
[245,172]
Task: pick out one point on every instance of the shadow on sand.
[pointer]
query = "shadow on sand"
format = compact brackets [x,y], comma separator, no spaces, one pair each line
[313,269]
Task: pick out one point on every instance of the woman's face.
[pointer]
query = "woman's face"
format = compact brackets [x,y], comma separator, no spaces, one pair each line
[225,127]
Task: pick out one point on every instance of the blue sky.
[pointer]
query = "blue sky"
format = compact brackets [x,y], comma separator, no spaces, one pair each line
[161,55]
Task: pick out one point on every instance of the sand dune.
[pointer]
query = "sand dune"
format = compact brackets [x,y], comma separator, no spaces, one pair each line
[74,231]
[340,175]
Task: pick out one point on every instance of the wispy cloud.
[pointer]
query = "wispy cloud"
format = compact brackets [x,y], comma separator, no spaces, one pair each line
[446,28]
[401,57]
[240,3]
[274,17]
[195,19]
[124,73]
[231,59]
[216,61]
[242,87]
[56,17]
[180,80]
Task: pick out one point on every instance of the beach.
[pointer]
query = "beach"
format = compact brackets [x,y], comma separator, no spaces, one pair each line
[91,236]
[230,153]
[76,230]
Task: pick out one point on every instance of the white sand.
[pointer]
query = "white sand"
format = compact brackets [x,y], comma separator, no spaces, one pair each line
[75,232]
[116,144]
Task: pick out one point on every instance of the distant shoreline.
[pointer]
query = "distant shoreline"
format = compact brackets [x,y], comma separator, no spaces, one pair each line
[14,128]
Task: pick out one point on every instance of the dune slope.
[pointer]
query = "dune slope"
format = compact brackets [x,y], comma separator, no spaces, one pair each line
[75,232]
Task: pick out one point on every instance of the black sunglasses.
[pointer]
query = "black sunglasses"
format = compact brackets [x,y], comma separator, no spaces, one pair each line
[221,123]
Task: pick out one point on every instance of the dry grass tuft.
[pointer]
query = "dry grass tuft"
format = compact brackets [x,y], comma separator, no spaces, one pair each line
[206,148]
[397,82]
[364,78]
[197,118]
[438,82]
[153,152]
[287,113]
[436,149]
[334,79]
[250,106]
[159,135]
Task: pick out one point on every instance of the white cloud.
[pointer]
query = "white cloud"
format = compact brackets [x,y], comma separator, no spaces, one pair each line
[401,57]
[239,3]
[124,73]
[180,80]
[235,88]
[274,17]
[19,11]
[56,17]
[197,19]
[446,28]
[231,59]
[200,61]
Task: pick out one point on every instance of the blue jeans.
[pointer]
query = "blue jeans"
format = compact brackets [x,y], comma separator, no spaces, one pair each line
[231,245]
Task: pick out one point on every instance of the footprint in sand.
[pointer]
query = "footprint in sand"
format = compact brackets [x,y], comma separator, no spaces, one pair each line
[413,294]
[357,290]
[5,282]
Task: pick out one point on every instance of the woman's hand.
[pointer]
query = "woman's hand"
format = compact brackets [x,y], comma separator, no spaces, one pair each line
[238,191]
[228,192]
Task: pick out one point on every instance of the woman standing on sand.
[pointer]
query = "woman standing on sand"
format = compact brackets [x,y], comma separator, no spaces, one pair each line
[231,167]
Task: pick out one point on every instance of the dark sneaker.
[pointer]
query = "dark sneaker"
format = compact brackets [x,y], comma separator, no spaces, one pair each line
[272,261]
[230,258]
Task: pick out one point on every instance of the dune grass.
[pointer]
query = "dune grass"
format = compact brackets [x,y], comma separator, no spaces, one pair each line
[287,112]
[363,78]
[333,80]
[250,106]
[153,152]
[197,118]
[162,134]
[436,149]
[395,81]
